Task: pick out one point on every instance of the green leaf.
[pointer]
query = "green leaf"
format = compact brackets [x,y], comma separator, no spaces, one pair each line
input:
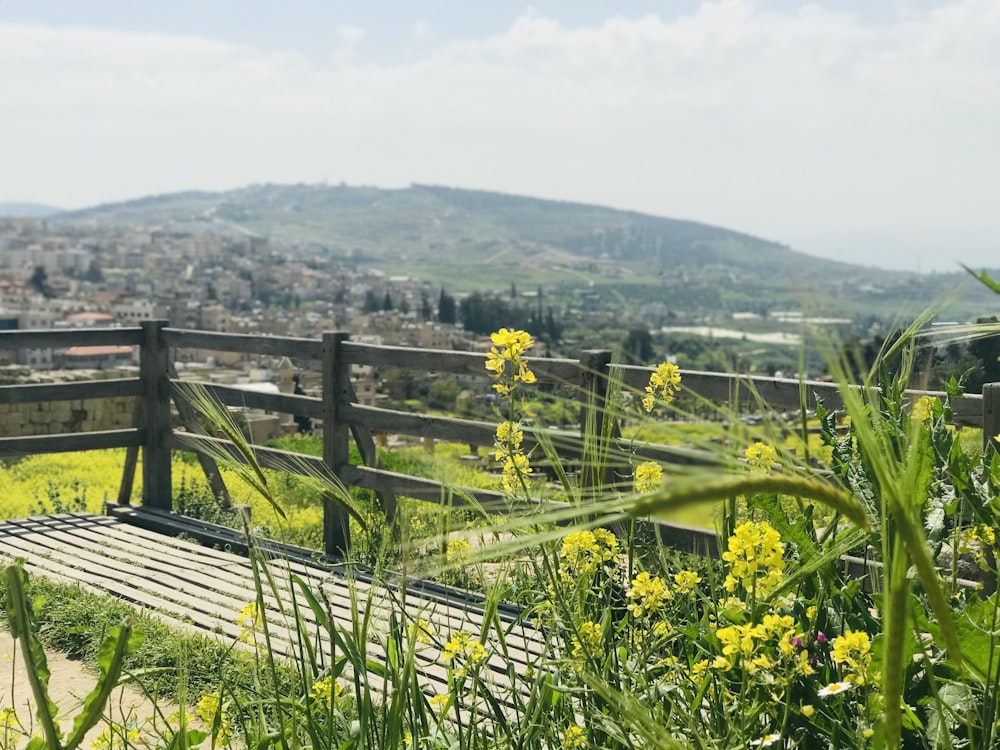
[35,663]
[116,645]
[983,278]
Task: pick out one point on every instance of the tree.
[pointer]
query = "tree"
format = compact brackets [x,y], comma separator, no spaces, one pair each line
[447,311]
[94,274]
[425,307]
[638,346]
[40,280]
[387,303]
[371,302]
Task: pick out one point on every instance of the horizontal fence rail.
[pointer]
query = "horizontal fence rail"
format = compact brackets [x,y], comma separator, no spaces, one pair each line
[162,399]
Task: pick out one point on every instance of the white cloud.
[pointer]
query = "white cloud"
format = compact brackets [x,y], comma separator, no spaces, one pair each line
[797,122]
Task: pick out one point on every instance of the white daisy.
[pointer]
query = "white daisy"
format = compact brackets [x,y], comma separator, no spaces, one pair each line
[833,688]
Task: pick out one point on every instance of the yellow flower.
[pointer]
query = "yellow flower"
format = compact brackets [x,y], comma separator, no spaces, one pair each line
[738,640]
[648,476]
[508,440]
[925,408]
[515,471]
[807,710]
[588,642]
[250,621]
[208,708]
[853,650]
[112,737]
[325,690]
[663,385]
[463,646]
[574,737]
[509,347]
[756,558]
[582,551]
[685,581]
[421,631]
[438,701]
[458,549]
[647,595]
[761,456]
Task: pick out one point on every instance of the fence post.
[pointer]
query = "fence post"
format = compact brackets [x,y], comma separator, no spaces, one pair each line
[594,396]
[336,436]
[991,416]
[154,357]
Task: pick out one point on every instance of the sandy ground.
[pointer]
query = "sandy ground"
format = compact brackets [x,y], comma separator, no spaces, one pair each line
[69,684]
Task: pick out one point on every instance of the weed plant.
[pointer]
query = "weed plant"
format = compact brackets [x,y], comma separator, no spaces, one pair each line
[617,645]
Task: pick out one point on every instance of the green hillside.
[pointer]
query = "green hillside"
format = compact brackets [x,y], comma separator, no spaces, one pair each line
[426,225]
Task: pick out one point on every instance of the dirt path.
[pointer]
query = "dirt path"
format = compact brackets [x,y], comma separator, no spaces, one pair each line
[69,684]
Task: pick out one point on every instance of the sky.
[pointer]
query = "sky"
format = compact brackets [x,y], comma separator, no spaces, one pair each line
[865,130]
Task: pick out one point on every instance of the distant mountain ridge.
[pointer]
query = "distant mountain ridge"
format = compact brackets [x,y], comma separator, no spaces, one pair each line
[32,210]
[425,224]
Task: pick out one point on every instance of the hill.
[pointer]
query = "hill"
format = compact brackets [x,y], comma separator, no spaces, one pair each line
[428,226]
[33,210]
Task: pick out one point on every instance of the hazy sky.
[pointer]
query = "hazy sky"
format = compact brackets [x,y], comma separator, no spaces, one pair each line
[865,127]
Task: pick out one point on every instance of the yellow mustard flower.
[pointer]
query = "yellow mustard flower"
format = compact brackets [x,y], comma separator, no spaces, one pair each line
[685,581]
[663,385]
[207,709]
[647,595]
[853,650]
[438,701]
[761,456]
[574,737]
[516,469]
[325,690]
[588,641]
[250,621]
[421,631]
[509,346]
[509,437]
[648,476]
[463,646]
[755,556]
[583,551]
[924,408]
[115,737]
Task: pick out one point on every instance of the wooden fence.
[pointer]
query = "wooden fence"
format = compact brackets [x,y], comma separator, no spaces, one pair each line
[157,390]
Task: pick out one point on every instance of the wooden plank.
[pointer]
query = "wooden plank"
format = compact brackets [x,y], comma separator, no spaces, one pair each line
[275,346]
[191,420]
[269,458]
[64,338]
[424,597]
[148,581]
[128,475]
[69,442]
[239,397]
[157,485]
[991,416]
[87,389]
[336,436]
[424,489]
[424,425]
[967,410]
[414,359]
